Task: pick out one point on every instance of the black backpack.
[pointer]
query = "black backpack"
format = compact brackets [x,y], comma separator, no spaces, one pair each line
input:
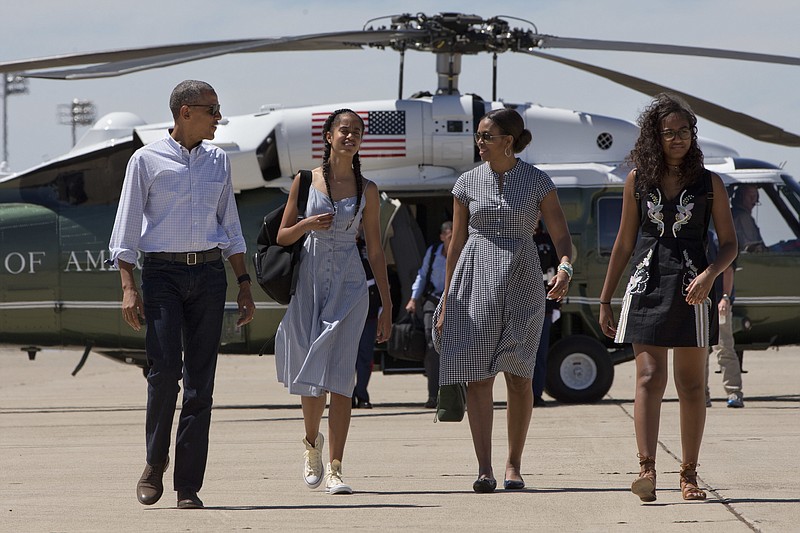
[276,265]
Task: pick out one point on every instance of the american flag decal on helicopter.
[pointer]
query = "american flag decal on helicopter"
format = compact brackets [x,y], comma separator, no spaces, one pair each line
[385,134]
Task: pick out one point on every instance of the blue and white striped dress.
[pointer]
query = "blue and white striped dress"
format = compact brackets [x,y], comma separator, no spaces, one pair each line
[317,340]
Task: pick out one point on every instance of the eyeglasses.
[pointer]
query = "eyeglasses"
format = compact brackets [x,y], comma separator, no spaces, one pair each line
[683,134]
[213,109]
[486,137]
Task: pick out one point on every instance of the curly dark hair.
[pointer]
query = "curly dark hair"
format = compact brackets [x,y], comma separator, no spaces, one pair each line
[326,159]
[648,154]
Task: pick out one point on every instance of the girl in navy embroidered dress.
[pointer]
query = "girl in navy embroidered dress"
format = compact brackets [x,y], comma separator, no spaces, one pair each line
[669,254]
[667,203]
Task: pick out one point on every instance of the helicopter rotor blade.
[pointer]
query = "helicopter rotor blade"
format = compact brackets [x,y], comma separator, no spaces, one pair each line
[740,122]
[129,66]
[70,60]
[550,41]
[119,62]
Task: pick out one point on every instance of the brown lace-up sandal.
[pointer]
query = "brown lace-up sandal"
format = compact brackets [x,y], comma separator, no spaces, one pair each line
[689,487]
[645,485]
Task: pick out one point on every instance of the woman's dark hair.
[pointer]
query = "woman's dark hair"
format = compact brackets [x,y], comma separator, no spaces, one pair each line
[648,153]
[332,119]
[510,122]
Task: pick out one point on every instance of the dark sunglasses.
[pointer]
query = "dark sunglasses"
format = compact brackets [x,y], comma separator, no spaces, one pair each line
[213,109]
[486,137]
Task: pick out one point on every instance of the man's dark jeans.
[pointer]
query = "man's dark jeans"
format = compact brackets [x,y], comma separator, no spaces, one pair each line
[184,306]
[366,354]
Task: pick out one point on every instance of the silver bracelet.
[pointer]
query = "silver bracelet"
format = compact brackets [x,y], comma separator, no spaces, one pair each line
[566,266]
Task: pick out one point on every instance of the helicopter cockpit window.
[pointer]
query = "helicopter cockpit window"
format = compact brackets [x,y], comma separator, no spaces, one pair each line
[267,155]
[765,217]
[609,213]
[94,180]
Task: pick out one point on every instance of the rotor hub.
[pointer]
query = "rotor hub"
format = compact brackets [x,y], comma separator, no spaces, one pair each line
[457,33]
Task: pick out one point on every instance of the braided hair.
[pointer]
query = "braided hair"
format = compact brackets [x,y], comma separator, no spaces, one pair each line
[326,160]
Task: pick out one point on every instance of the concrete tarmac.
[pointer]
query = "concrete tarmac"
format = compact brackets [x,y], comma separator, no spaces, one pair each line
[72,450]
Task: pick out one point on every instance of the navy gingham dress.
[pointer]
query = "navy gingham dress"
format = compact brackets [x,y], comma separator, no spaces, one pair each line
[496,299]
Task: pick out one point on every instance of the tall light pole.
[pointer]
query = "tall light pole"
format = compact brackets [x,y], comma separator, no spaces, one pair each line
[12,84]
[78,113]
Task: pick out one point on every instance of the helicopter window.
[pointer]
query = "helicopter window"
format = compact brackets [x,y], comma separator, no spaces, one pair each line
[609,212]
[455,126]
[605,140]
[267,156]
[93,180]
[776,217]
[71,188]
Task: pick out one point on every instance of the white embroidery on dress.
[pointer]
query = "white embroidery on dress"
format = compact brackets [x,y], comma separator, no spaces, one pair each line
[685,206]
[654,213]
[690,273]
[638,282]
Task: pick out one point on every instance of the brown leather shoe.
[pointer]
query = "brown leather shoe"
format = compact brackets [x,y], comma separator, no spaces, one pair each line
[187,499]
[150,487]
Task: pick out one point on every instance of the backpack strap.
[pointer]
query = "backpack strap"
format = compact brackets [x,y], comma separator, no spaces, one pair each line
[302,201]
[302,198]
[709,197]
[637,195]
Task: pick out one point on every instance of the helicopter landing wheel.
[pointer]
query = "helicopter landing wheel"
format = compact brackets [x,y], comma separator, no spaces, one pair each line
[579,370]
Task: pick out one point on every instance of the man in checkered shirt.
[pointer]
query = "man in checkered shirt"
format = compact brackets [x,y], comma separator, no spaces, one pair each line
[177,207]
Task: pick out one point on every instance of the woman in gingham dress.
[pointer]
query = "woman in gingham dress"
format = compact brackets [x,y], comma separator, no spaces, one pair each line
[665,215]
[490,317]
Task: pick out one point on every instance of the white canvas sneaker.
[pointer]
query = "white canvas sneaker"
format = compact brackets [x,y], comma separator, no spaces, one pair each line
[312,462]
[333,479]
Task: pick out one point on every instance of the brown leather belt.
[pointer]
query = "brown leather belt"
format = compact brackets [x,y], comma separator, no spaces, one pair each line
[187,258]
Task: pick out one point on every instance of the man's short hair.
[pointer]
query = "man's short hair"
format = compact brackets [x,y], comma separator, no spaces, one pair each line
[446,225]
[738,193]
[187,92]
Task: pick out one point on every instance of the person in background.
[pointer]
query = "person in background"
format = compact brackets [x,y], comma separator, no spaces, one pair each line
[366,346]
[745,198]
[666,208]
[316,345]
[491,313]
[549,261]
[725,351]
[427,290]
[177,207]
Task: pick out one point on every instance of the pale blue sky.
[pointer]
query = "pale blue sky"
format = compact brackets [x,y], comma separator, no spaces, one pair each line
[245,82]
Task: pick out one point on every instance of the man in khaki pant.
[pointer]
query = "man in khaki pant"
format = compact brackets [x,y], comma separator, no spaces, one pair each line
[725,351]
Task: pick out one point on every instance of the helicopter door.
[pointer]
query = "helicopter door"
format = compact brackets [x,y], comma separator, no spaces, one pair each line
[404,247]
[453,124]
[29,274]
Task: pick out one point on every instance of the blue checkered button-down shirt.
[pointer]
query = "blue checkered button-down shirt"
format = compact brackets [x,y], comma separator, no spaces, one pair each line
[174,200]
